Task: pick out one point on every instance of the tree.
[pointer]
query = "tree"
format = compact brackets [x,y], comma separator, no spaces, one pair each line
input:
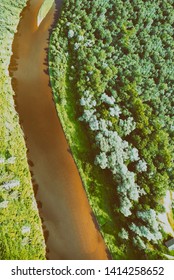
[123,234]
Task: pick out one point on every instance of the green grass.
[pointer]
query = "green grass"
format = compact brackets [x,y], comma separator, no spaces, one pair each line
[21,210]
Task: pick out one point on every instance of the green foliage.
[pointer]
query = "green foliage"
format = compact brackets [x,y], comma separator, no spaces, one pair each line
[18,210]
[112,64]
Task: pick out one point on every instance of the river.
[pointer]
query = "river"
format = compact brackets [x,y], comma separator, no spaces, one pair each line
[69,228]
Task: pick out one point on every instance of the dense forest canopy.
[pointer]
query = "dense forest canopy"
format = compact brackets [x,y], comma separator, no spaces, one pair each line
[117,59]
[112,74]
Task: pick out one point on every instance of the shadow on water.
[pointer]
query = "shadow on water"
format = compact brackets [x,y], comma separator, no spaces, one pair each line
[69,231]
[13,67]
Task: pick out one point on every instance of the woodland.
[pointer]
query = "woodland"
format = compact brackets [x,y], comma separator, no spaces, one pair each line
[112,73]
[111,68]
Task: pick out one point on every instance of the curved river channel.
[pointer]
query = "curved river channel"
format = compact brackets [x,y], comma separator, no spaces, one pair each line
[68,222]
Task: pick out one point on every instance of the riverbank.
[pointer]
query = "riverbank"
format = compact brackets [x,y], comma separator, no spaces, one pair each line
[97,183]
[67,218]
[21,236]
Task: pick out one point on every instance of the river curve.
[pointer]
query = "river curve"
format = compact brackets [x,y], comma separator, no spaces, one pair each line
[64,208]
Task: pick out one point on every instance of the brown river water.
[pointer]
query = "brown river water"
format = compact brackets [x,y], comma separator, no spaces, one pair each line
[68,222]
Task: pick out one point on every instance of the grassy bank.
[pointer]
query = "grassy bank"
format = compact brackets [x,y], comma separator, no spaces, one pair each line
[96,183]
[21,234]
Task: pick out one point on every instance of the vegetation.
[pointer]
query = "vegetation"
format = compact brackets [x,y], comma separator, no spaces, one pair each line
[20,226]
[111,69]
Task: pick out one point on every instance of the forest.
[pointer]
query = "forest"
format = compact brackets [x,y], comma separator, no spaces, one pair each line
[111,70]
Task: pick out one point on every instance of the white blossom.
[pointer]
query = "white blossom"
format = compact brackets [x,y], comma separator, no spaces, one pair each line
[123,234]
[76,46]
[103,125]
[25,241]
[9,185]
[11,160]
[125,206]
[127,125]
[82,101]
[123,169]
[2,160]
[87,115]
[14,195]
[101,160]
[86,93]
[172,128]
[150,217]
[102,142]
[133,192]
[141,166]
[139,242]
[70,34]
[134,156]
[143,231]
[107,99]
[142,192]
[80,38]
[4,204]
[115,111]
[88,43]
[87,101]
[25,229]
[93,123]
[104,65]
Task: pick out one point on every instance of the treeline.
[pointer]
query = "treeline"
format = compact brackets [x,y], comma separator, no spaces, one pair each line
[119,58]
[21,234]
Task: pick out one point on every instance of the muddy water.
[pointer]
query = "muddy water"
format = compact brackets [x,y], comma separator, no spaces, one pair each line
[71,232]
